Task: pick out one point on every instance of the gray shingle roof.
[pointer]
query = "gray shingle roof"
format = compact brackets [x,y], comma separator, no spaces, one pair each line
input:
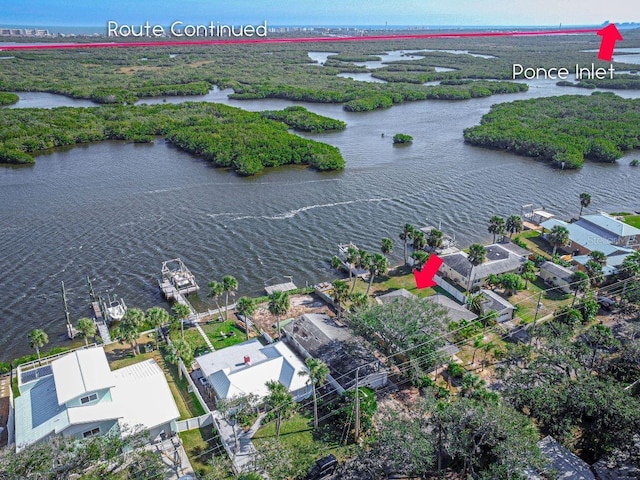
[557,271]
[498,261]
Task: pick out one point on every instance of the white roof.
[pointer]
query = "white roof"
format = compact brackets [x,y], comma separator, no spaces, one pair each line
[81,372]
[143,395]
[230,376]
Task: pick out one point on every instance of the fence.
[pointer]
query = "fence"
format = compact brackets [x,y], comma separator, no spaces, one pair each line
[195,422]
[450,289]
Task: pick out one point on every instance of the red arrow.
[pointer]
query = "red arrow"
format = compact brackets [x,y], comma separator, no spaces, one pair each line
[610,35]
[424,277]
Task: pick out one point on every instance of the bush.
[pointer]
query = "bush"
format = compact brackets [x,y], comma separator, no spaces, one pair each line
[402,138]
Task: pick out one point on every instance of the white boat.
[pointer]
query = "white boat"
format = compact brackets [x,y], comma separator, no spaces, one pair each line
[116,310]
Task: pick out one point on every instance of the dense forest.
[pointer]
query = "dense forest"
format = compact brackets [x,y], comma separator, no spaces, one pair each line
[563,130]
[226,136]
[286,71]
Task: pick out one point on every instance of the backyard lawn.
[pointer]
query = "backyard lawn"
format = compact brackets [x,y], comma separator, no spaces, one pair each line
[232,334]
[203,444]
[633,220]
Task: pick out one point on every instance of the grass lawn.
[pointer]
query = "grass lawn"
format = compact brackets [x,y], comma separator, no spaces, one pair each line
[535,243]
[633,220]
[120,356]
[201,445]
[296,436]
[396,279]
[192,336]
[215,330]
[527,300]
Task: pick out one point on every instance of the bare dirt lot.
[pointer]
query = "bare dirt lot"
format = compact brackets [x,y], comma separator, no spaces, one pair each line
[300,304]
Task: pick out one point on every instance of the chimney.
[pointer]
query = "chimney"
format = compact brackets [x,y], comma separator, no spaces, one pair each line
[247,360]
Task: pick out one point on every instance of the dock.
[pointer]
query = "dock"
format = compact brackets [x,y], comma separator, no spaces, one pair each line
[101,324]
[177,281]
[280,287]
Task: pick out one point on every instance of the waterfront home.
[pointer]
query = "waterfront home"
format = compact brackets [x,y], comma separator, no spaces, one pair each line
[557,276]
[500,258]
[346,354]
[246,367]
[615,231]
[583,241]
[78,395]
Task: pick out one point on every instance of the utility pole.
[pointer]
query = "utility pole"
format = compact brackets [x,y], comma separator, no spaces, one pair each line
[357,407]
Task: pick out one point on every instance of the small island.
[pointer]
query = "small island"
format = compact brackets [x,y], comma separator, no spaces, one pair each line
[8,98]
[226,136]
[402,139]
[562,130]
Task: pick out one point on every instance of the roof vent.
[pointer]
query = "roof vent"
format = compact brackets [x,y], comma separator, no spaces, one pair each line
[247,360]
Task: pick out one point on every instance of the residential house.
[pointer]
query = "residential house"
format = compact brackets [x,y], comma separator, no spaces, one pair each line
[395,295]
[500,258]
[245,368]
[583,241]
[346,354]
[78,395]
[493,301]
[614,230]
[557,276]
[562,464]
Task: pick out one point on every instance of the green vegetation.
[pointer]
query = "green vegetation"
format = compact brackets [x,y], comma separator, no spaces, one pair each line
[633,220]
[8,98]
[635,162]
[301,119]
[199,444]
[402,138]
[563,130]
[223,334]
[226,136]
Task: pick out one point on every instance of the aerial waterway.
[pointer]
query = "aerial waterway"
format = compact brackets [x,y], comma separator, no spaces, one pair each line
[114,210]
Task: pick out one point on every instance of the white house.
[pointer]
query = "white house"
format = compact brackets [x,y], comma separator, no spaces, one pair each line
[557,275]
[245,368]
[79,395]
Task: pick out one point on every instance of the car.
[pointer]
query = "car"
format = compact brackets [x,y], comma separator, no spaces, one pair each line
[606,303]
[323,468]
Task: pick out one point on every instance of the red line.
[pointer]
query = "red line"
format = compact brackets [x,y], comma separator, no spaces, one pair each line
[297,40]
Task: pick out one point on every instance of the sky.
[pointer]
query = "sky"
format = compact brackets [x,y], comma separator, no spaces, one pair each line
[315,12]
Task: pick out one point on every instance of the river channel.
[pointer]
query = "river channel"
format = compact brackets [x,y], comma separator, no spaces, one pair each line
[114,211]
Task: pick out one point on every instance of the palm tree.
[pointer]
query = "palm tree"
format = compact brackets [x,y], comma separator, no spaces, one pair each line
[475,303]
[230,285]
[279,305]
[157,317]
[280,401]
[246,306]
[87,328]
[358,300]
[476,256]
[378,265]
[513,224]
[386,246]
[419,240]
[579,283]
[435,239]
[340,289]
[180,350]
[585,201]
[598,256]
[496,226]
[405,236]
[181,312]
[594,271]
[38,339]
[351,257]
[528,277]
[420,258]
[630,265]
[130,328]
[361,260]
[558,237]
[215,290]
[318,372]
